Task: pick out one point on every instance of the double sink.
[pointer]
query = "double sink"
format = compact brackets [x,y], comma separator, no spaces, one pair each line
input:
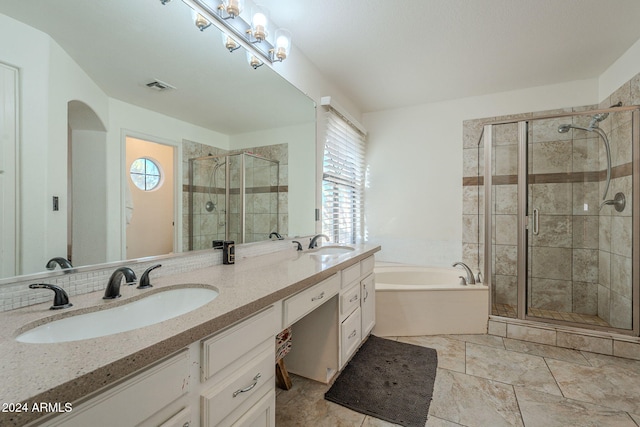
[148,310]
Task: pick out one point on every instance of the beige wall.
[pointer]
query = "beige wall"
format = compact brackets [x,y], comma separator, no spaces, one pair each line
[151,230]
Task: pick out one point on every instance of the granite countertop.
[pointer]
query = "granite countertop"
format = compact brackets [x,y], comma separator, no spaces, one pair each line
[65,372]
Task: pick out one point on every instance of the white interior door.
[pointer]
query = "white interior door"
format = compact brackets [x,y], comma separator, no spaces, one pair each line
[8,170]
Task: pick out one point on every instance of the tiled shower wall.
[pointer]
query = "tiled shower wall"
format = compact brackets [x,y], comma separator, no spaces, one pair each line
[577,264]
[266,198]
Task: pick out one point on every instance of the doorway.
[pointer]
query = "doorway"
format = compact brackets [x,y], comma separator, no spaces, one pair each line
[149,198]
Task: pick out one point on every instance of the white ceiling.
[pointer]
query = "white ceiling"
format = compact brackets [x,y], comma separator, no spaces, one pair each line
[381,53]
[393,53]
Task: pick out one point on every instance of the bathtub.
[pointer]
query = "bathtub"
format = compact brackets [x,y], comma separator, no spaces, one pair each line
[414,300]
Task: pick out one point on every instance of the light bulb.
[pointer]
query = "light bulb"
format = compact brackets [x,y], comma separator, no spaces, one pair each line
[229,43]
[201,22]
[259,22]
[253,60]
[283,44]
[233,7]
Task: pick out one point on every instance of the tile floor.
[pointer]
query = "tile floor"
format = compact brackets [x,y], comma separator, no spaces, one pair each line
[489,381]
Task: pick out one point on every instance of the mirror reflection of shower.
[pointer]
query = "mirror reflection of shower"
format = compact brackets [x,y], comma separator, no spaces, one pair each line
[210,206]
[231,197]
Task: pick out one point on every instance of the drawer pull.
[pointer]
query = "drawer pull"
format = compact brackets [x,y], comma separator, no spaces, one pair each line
[366,293]
[352,334]
[318,297]
[354,298]
[249,388]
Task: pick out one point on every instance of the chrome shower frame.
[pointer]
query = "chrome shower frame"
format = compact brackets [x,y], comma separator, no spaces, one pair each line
[523,218]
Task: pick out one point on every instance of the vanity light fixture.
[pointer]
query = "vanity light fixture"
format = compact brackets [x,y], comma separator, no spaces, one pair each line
[229,42]
[259,22]
[232,8]
[253,60]
[251,33]
[201,22]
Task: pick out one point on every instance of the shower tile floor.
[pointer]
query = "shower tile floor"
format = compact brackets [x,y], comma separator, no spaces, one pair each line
[507,310]
[489,381]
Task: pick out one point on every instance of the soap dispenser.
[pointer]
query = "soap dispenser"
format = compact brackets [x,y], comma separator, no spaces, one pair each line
[228,252]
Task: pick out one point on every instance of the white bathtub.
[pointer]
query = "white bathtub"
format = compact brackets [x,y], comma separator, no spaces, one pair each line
[428,301]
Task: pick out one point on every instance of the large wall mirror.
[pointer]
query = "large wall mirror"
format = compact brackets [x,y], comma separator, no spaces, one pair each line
[96,143]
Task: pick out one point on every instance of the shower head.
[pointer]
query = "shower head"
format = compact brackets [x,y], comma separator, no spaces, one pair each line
[564,128]
[597,118]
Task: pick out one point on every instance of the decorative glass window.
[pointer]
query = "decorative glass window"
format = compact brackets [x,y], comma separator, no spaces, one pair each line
[145,174]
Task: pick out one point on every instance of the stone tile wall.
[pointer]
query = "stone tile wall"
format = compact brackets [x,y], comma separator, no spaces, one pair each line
[581,260]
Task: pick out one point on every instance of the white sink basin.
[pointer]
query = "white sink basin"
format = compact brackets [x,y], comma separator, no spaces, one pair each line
[330,250]
[147,311]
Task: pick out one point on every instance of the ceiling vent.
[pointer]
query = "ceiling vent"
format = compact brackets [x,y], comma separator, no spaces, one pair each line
[160,86]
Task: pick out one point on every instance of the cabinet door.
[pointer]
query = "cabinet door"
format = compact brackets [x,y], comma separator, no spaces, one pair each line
[368,305]
[181,419]
[134,400]
[262,414]
[351,336]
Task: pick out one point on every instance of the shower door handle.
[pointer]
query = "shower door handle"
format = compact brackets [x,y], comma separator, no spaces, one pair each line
[536,223]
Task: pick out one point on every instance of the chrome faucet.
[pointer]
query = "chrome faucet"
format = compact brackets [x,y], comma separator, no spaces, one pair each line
[113,288]
[314,240]
[470,279]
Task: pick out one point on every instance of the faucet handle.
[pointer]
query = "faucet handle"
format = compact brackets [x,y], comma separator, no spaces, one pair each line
[145,282]
[60,299]
[299,247]
[463,281]
[479,277]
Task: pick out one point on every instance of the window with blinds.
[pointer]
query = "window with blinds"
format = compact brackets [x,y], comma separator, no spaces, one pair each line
[343,181]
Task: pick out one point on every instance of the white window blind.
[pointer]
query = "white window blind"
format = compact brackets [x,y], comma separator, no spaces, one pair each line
[343,181]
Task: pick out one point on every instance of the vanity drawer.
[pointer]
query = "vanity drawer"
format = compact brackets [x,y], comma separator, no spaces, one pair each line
[241,341]
[296,307]
[349,300]
[350,274]
[351,336]
[366,265]
[244,389]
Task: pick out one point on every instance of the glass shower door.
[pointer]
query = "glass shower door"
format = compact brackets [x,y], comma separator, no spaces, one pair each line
[579,245]
[503,187]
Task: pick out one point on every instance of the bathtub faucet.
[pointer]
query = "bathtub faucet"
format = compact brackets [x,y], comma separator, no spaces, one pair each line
[470,279]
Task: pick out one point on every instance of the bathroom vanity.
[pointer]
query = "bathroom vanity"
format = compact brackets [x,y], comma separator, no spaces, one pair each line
[213,366]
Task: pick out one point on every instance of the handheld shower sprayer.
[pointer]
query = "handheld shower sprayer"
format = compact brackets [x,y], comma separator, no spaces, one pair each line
[593,127]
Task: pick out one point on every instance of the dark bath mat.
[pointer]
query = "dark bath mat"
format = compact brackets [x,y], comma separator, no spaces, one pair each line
[389,380]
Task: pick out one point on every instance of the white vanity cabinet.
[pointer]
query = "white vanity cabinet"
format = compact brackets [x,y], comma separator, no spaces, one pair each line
[357,307]
[134,400]
[227,379]
[328,334]
[238,373]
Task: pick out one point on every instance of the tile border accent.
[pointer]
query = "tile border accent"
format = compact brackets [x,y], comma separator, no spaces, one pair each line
[554,178]
[566,337]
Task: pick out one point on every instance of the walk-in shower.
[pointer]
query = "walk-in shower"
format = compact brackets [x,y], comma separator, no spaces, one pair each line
[557,246]
[231,197]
